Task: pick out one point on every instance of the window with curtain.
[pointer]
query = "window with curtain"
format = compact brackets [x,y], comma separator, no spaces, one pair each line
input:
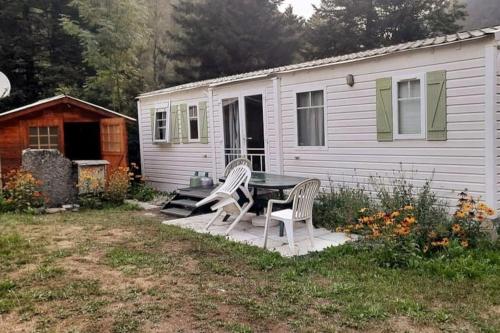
[409,107]
[311,118]
[161,123]
[193,123]
[45,137]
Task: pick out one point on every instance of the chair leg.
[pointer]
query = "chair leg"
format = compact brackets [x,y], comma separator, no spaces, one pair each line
[266,231]
[289,235]
[240,216]
[219,212]
[310,229]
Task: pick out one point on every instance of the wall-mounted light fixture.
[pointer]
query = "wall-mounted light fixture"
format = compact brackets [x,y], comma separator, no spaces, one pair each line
[350,80]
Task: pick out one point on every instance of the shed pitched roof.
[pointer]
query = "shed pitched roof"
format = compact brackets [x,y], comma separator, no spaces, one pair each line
[419,44]
[63,99]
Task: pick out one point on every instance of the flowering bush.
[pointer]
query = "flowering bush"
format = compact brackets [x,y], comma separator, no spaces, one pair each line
[22,192]
[91,185]
[401,225]
[118,184]
[465,226]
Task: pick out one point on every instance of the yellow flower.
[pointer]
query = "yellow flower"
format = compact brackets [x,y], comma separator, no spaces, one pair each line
[362,210]
[464,243]
[409,207]
[490,211]
[460,214]
[395,214]
[456,228]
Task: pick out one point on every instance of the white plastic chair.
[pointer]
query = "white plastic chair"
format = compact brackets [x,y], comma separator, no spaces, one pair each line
[302,196]
[234,163]
[227,198]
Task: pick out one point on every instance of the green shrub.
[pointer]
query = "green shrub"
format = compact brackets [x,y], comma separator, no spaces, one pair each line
[339,205]
[142,192]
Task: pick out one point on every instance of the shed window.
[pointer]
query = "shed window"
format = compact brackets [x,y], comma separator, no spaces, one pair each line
[111,138]
[311,118]
[410,108]
[193,123]
[161,125]
[46,137]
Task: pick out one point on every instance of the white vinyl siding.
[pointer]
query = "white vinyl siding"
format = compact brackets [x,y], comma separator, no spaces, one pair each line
[169,166]
[354,154]
[498,133]
[351,154]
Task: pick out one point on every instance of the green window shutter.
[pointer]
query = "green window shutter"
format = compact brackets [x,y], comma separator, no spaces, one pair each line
[184,123]
[203,119]
[384,109]
[152,115]
[436,106]
[174,124]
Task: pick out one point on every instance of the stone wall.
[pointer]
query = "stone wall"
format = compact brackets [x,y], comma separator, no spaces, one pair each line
[56,173]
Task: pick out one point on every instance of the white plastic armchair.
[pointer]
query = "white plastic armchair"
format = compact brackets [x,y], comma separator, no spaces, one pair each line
[302,196]
[227,200]
[234,163]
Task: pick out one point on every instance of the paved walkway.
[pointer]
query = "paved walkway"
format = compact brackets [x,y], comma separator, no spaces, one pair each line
[245,232]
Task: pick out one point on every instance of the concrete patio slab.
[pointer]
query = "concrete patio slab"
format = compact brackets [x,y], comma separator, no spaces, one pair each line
[245,232]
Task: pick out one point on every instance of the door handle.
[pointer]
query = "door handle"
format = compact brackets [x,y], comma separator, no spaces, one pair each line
[250,138]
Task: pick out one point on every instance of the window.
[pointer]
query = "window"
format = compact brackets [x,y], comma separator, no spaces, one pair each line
[46,137]
[111,138]
[311,118]
[161,125]
[193,123]
[409,107]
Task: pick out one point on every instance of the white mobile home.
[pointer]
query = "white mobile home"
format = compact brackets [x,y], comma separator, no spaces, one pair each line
[431,106]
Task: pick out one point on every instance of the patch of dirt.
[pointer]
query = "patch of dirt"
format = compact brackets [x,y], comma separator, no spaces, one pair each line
[13,323]
[404,324]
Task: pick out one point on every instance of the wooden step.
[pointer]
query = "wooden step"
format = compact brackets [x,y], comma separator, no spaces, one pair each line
[195,192]
[184,203]
[180,212]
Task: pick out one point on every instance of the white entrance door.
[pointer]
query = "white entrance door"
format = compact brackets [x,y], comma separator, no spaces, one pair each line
[244,136]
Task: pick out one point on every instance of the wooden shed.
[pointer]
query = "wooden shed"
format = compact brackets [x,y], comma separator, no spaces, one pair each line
[80,130]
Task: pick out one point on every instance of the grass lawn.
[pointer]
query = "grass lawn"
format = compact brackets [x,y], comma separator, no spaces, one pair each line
[119,270]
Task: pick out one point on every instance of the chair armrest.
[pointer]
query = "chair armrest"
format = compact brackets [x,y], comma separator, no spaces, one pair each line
[272,202]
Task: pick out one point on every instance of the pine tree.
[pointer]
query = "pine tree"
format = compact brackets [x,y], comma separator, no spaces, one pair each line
[344,26]
[113,34]
[223,37]
[36,54]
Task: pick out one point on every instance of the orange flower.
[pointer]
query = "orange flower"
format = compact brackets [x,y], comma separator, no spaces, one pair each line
[395,214]
[456,228]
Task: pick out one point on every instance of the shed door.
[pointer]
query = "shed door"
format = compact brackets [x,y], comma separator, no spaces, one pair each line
[114,142]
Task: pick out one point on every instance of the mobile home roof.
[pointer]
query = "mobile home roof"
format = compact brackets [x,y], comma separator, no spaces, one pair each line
[419,44]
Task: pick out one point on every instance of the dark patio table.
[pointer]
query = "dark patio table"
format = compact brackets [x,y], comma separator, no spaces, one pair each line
[270,181]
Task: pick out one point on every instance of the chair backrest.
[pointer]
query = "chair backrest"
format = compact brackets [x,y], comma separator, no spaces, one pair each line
[239,176]
[303,198]
[234,163]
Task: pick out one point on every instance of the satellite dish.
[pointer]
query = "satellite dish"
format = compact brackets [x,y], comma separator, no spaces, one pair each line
[4,86]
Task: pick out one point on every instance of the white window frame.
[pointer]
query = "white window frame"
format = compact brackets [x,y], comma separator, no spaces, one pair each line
[309,89]
[160,108]
[189,122]
[423,107]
